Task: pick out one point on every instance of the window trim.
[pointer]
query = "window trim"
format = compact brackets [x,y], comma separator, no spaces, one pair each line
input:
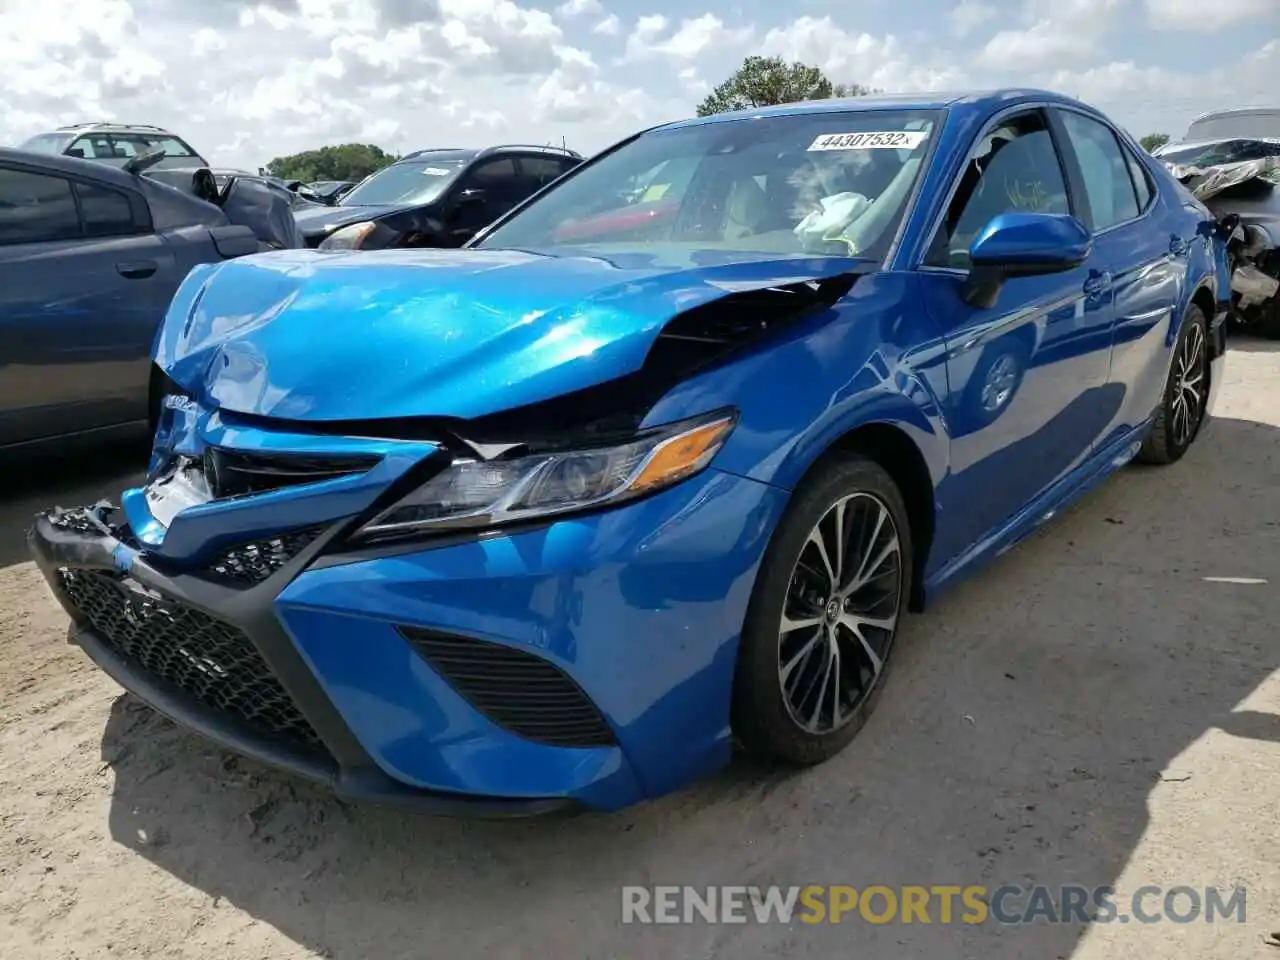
[1078,172]
[36,172]
[937,220]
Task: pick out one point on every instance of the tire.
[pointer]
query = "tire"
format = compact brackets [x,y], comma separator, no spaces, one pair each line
[1170,437]
[769,716]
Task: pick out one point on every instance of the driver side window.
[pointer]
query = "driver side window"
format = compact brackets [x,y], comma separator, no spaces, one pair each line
[1013,167]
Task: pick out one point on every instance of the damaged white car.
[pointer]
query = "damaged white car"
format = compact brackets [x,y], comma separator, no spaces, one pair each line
[1230,161]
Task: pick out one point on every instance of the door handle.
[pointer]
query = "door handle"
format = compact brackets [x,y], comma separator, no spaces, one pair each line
[1179,246]
[137,269]
[1098,283]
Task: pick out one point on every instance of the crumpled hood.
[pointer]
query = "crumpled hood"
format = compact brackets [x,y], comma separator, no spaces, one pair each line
[309,335]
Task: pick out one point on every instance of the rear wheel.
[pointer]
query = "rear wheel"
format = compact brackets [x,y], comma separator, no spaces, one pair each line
[1186,394]
[824,615]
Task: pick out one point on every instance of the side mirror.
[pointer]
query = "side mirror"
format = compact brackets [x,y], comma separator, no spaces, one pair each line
[144,161]
[1023,245]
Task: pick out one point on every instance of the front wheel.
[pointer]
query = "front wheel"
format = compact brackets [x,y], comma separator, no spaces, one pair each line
[1186,394]
[824,615]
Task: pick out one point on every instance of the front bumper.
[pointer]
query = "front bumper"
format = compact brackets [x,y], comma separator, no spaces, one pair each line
[638,607]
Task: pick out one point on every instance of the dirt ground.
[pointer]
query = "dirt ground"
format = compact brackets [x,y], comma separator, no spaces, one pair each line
[1093,709]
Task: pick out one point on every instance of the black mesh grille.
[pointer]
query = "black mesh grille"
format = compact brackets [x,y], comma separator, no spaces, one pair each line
[211,661]
[249,563]
[522,693]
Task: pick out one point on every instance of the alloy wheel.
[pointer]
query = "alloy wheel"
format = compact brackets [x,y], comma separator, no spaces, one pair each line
[1191,384]
[841,613]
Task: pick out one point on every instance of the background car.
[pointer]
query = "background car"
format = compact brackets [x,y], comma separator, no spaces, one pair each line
[1230,161]
[434,198]
[90,257]
[115,143]
[553,520]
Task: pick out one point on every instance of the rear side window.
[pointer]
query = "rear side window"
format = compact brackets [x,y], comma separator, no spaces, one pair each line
[105,212]
[1107,179]
[36,207]
[542,170]
[495,171]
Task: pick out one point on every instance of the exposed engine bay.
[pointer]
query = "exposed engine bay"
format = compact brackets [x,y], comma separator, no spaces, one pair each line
[1239,181]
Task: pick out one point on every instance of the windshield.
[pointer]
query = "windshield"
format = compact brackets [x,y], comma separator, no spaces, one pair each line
[409,181]
[824,183]
[1257,125]
[46,143]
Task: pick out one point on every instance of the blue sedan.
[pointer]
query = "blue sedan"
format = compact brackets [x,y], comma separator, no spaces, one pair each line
[654,466]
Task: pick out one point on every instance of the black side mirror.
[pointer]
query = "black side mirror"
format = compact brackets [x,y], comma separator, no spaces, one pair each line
[1023,245]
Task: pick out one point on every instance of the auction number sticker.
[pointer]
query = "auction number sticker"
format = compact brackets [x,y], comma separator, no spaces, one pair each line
[435,172]
[880,140]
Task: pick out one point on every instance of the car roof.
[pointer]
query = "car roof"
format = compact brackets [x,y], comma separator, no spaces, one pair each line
[1237,112]
[968,100]
[105,126]
[465,153]
[69,166]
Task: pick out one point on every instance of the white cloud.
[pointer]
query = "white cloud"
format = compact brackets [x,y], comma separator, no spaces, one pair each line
[1215,15]
[967,15]
[878,62]
[691,39]
[610,26]
[1061,31]
[579,8]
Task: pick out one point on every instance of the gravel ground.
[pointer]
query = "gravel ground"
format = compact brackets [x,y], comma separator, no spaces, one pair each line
[1092,709]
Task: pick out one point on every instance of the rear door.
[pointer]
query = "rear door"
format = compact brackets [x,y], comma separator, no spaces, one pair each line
[1027,376]
[84,282]
[1142,257]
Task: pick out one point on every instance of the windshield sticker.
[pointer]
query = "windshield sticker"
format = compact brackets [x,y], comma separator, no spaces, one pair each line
[434,172]
[881,140]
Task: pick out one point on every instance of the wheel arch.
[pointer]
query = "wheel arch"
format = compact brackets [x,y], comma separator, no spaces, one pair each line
[892,447]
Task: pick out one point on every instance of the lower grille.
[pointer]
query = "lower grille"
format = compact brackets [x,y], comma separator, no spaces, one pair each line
[211,661]
[246,564]
[520,692]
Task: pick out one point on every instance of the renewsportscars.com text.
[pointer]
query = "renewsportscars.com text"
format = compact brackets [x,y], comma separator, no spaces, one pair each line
[944,904]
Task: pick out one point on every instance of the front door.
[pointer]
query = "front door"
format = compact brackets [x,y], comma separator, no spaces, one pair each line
[1027,378]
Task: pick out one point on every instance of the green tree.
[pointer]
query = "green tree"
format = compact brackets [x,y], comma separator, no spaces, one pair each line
[345,161]
[1153,141]
[764,81]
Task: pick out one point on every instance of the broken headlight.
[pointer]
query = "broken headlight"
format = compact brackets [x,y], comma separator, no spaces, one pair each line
[482,493]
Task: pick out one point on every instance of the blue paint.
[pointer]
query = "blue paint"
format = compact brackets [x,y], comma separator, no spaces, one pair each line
[1013,410]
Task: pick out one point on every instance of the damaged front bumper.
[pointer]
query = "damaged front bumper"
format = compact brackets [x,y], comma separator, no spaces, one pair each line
[575,664]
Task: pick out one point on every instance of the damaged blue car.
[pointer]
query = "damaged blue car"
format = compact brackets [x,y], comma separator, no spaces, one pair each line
[654,466]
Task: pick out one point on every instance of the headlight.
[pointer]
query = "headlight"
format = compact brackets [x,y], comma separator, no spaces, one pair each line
[350,237]
[481,493]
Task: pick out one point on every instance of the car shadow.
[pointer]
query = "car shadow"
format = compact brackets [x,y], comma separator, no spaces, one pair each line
[1030,715]
[1252,344]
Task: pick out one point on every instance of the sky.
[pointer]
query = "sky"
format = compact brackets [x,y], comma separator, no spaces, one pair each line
[248,80]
